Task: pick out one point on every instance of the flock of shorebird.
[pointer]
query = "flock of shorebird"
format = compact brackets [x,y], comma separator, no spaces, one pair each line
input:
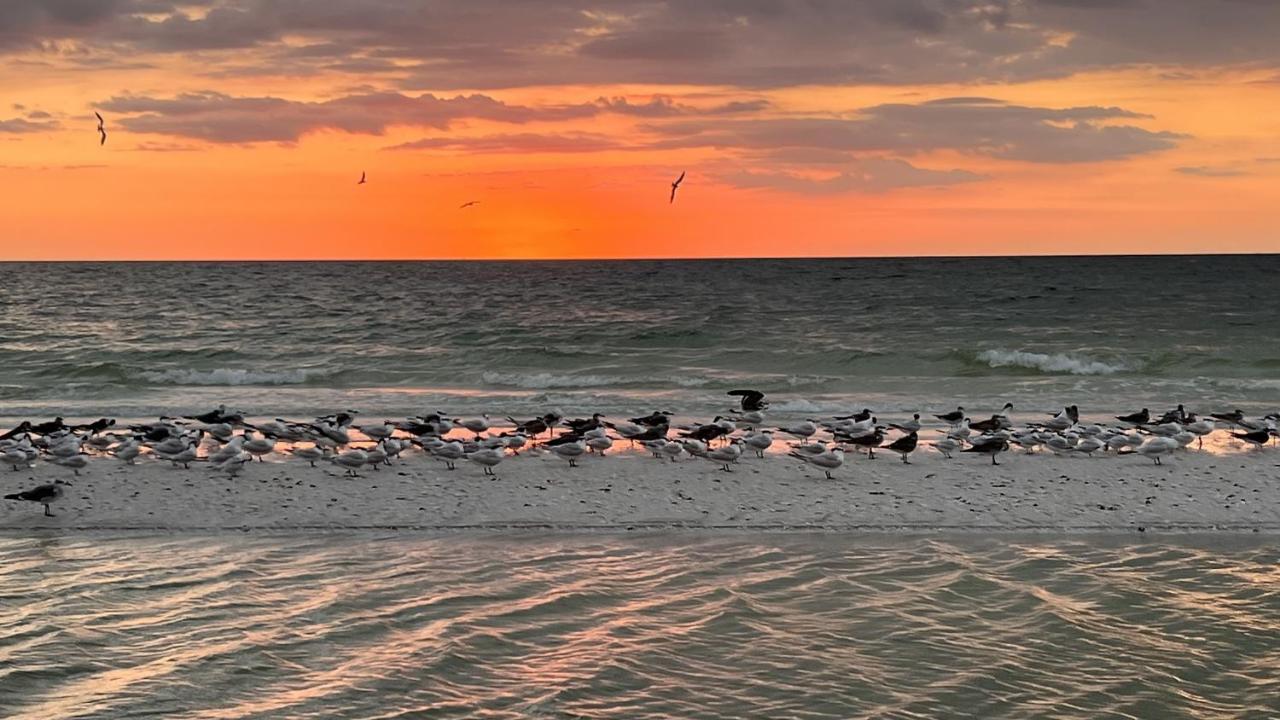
[226,441]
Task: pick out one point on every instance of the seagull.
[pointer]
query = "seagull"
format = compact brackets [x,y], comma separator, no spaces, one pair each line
[946,446]
[468,204]
[363,178]
[674,186]
[102,130]
[570,451]
[488,458]
[910,426]
[44,494]
[803,431]
[828,460]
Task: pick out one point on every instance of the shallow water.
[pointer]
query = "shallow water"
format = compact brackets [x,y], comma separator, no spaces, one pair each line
[1109,334]
[587,626]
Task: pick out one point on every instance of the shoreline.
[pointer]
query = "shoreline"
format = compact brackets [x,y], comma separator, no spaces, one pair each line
[1235,493]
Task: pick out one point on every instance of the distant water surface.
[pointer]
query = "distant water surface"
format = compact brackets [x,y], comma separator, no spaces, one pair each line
[740,626]
[818,335]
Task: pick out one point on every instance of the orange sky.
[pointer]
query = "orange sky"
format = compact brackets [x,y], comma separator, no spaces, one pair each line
[1193,164]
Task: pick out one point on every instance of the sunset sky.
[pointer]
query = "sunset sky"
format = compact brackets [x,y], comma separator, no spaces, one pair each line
[238,128]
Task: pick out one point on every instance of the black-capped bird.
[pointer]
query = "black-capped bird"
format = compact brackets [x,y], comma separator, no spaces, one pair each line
[674,186]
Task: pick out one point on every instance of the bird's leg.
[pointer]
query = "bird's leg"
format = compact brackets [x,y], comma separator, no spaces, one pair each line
[828,472]
[993,459]
[46,511]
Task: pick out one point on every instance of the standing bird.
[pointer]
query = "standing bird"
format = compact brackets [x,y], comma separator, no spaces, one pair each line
[363,178]
[952,417]
[989,446]
[904,445]
[674,186]
[828,460]
[102,129]
[46,495]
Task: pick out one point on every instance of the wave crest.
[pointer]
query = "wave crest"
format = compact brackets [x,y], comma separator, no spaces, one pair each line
[1049,363]
[232,376]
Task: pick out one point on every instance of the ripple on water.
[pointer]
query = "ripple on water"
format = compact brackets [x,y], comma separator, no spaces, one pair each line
[636,627]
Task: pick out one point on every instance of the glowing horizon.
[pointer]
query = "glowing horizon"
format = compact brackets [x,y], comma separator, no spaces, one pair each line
[238,129]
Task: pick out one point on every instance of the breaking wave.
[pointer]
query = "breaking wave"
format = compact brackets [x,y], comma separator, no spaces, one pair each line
[1056,363]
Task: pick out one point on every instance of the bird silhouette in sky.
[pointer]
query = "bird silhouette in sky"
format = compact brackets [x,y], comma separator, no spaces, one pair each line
[362,179]
[102,130]
[674,186]
[468,204]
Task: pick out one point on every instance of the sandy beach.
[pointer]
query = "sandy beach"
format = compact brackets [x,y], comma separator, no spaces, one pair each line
[1226,490]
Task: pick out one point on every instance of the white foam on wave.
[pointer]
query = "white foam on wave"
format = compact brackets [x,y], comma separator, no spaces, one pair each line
[230,376]
[550,381]
[1049,363]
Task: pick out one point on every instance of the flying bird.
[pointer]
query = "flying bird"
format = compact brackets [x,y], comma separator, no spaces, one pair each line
[674,186]
[468,204]
[102,130]
[362,178]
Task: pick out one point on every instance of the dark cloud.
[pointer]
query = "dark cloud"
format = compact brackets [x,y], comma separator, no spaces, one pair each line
[481,44]
[518,143]
[216,117]
[870,175]
[981,127]
[21,126]
[1210,171]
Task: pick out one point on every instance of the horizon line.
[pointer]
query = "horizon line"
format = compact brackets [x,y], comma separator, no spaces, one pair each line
[635,259]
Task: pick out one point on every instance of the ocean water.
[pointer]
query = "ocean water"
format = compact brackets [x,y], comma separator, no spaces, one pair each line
[738,626]
[897,335]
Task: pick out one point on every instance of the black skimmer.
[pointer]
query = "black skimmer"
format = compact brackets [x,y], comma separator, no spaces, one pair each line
[24,426]
[96,426]
[988,446]
[752,400]
[706,433]
[904,445]
[1177,415]
[1139,418]
[468,204]
[46,495]
[658,417]
[997,422]
[48,428]
[674,186]
[102,128]
[952,417]
[870,441]
[1233,418]
[1257,438]
[212,417]
[363,178]
[581,425]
